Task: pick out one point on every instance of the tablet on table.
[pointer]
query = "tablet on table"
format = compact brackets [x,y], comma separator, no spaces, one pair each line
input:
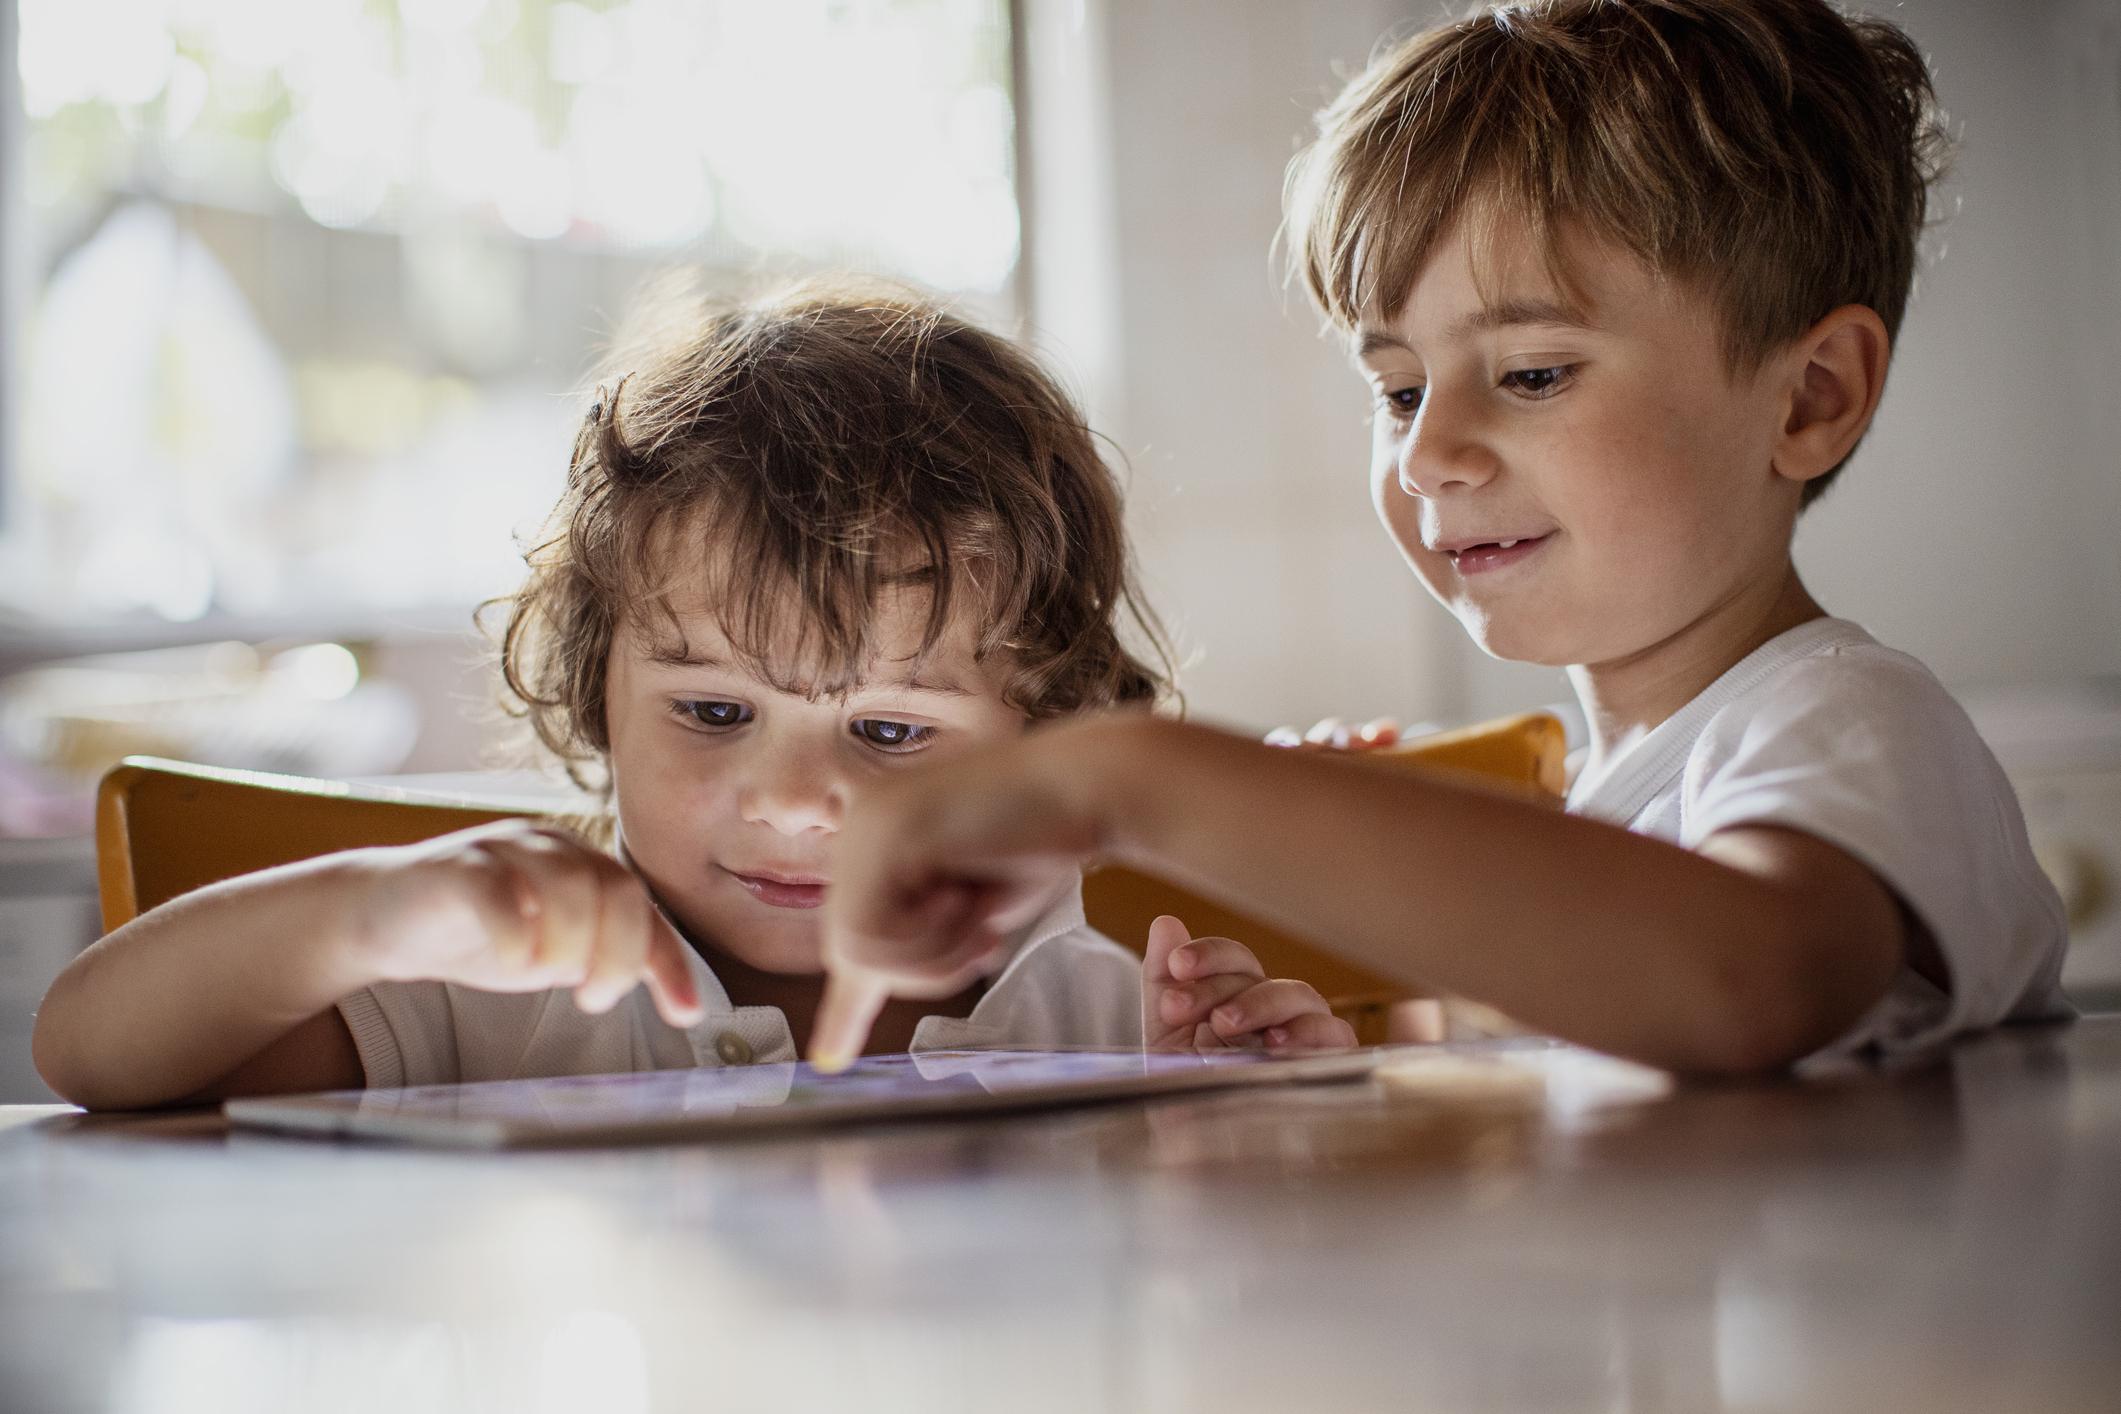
[702,1104]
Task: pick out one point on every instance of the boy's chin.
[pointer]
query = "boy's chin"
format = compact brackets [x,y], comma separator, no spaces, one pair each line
[1512,642]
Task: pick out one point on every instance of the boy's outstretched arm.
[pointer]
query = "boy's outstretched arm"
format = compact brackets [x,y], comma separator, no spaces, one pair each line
[1739,957]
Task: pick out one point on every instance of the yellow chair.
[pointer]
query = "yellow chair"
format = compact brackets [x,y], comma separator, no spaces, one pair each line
[164,828]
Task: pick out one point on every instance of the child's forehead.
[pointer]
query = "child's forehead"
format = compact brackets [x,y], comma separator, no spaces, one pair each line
[1481,277]
[706,590]
[782,651]
[714,586]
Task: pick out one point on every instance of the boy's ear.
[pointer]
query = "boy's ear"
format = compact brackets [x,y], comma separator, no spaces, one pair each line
[1838,375]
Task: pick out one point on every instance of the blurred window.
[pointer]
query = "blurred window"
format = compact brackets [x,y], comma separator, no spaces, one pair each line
[311,286]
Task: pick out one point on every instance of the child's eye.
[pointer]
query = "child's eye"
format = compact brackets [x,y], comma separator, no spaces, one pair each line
[1539,382]
[711,713]
[887,735]
[1401,402]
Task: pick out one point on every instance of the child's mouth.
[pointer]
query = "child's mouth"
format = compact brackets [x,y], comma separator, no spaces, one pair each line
[1495,554]
[777,891]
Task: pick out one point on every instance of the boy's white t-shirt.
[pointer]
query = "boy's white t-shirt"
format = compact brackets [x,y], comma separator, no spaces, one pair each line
[1825,730]
[1063,983]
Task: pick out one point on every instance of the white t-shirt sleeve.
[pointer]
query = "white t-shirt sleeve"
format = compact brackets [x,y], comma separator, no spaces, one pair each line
[1869,753]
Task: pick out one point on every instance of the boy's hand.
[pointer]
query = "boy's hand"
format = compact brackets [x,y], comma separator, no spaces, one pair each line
[935,867]
[1212,994]
[518,906]
[1344,736]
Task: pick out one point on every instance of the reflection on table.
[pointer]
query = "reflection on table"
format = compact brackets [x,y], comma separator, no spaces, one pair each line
[1447,1236]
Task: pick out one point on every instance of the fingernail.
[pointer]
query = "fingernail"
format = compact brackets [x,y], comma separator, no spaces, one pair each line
[830,1062]
[1182,963]
[1277,1035]
[1227,1017]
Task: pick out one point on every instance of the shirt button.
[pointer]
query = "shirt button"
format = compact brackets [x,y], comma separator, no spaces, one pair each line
[733,1049]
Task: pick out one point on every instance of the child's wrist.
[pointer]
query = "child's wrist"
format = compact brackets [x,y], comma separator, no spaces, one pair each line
[357,949]
[1107,767]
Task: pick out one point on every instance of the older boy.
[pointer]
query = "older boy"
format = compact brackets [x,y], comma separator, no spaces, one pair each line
[1623,277]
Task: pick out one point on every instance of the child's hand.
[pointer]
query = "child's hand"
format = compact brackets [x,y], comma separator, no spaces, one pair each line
[1212,994]
[518,906]
[1340,735]
[934,868]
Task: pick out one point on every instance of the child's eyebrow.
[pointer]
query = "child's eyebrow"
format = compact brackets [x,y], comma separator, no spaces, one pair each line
[683,658]
[1509,314]
[678,657]
[941,687]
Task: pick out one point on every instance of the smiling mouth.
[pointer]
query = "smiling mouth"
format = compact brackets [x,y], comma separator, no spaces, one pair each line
[1495,554]
[781,891]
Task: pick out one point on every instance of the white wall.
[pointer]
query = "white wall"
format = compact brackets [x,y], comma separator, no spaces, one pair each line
[1244,429]
[1980,527]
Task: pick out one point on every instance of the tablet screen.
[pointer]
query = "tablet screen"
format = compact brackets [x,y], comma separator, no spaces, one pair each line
[676,1103]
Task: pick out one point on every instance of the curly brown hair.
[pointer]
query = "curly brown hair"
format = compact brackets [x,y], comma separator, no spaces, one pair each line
[805,452]
[1775,152]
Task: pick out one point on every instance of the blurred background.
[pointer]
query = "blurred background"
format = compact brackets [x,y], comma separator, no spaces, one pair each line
[297,304]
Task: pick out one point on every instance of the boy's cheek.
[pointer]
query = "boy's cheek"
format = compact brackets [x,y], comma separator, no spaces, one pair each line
[1401,515]
[1384,483]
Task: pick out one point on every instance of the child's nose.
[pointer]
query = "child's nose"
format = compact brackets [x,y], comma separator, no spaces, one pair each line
[794,797]
[1443,449]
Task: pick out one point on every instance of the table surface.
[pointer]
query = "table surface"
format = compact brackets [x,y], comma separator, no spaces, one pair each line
[1459,1235]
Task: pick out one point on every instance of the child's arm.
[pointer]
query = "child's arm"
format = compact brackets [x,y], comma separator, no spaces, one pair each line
[231,989]
[1212,994]
[1742,956]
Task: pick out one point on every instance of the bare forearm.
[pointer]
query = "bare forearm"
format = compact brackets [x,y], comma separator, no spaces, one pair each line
[1607,938]
[172,1001]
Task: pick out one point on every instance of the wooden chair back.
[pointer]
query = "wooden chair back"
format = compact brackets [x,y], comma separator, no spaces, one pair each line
[164,828]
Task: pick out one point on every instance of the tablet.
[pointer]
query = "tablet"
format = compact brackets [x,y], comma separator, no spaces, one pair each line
[666,1105]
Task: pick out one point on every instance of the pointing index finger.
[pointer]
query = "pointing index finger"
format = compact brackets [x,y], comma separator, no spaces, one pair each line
[668,975]
[844,1015]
